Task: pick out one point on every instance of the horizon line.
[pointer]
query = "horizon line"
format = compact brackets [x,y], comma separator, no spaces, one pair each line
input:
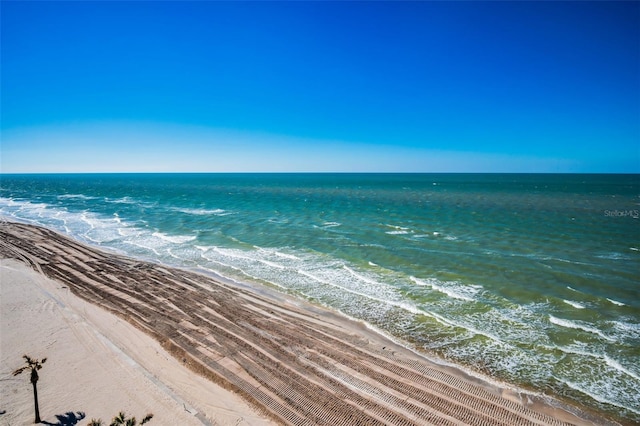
[313,173]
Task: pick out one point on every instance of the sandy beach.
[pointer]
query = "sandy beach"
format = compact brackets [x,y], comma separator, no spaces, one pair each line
[98,364]
[124,334]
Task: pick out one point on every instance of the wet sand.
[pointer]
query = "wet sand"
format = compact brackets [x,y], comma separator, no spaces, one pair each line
[289,361]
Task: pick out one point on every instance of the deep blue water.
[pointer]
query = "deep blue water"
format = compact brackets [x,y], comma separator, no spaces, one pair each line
[534,279]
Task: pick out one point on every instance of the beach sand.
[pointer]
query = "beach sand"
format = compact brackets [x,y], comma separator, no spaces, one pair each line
[97,364]
[124,334]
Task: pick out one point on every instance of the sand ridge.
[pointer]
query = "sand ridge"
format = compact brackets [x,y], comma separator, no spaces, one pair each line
[292,363]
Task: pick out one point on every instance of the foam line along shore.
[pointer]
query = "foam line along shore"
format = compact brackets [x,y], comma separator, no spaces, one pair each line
[524,278]
[295,363]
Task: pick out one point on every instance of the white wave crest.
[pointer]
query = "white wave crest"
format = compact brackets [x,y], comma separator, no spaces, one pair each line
[123,200]
[451,288]
[400,228]
[410,307]
[75,196]
[597,396]
[574,304]
[616,365]
[285,255]
[175,239]
[627,329]
[358,276]
[230,253]
[204,212]
[577,326]
[331,224]
[580,348]
[271,264]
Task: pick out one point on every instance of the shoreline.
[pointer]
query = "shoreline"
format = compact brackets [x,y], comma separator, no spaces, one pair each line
[240,338]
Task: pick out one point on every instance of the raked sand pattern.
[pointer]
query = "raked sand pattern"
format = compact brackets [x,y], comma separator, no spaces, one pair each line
[297,364]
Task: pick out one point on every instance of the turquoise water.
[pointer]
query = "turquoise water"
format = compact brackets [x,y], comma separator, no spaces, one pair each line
[534,279]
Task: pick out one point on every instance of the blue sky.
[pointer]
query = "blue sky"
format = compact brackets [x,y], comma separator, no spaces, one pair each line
[320,86]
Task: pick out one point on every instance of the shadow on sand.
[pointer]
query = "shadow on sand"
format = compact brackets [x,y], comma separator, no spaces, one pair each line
[69,418]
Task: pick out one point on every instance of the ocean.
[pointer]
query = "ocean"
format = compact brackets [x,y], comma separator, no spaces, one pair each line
[533,279]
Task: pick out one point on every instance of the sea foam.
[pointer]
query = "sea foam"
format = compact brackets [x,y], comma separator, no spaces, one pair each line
[203,212]
[175,239]
[578,326]
[574,304]
[451,289]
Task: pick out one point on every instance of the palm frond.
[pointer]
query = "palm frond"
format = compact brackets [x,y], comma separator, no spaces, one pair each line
[120,419]
[32,363]
[20,370]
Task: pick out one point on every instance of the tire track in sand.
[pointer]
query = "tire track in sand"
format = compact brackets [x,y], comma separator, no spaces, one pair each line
[295,365]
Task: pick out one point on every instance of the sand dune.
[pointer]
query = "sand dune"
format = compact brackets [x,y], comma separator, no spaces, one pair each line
[294,363]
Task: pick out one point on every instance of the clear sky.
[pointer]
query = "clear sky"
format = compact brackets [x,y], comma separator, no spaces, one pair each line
[320,86]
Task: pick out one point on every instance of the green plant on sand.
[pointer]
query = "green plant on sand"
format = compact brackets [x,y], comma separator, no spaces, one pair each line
[122,420]
[34,365]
